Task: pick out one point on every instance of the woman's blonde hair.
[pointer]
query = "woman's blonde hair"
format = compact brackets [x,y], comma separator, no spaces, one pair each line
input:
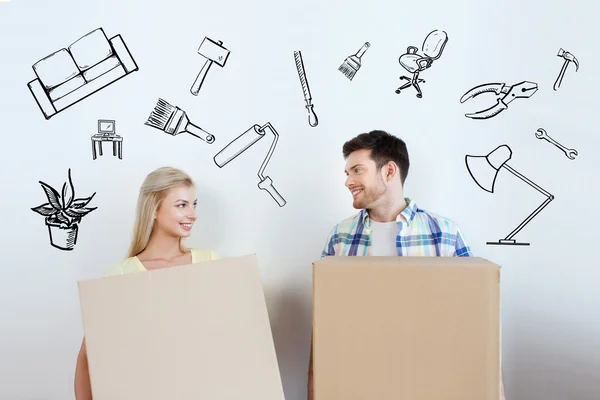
[152,192]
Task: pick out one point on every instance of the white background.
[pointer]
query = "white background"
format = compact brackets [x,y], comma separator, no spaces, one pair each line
[550,300]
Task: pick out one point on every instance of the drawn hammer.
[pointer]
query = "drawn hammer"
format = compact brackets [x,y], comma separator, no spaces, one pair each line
[568,57]
[213,52]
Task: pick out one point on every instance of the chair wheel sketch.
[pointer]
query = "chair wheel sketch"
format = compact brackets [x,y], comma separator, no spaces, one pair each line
[415,63]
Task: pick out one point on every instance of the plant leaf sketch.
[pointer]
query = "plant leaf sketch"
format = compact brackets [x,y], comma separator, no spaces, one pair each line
[242,143]
[569,58]
[415,63]
[63,214]
[312,117]
[505,95]
[352,63]
[89,64]
[213,52]
[542,134]
[106,133]
[173,120]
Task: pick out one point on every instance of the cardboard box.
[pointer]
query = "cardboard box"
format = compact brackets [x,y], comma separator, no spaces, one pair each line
[198,331]
[406,328]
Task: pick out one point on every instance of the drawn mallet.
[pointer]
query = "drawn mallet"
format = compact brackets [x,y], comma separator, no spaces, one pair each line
[173,120]
[352,64]
[213,52]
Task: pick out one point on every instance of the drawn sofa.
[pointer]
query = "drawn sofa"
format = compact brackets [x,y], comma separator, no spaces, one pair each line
[71,74]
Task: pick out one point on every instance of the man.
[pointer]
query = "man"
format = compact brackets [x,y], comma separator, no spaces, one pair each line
[388,223]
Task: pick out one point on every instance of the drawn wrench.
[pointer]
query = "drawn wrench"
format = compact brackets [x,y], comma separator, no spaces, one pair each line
[541,134]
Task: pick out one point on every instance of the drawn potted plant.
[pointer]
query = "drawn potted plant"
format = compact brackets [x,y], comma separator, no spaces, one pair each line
[63,214]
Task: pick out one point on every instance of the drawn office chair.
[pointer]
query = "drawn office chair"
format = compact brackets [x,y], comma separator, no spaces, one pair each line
[433,45]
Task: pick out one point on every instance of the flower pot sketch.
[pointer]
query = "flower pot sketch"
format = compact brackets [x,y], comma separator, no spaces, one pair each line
[63,214]
[62,236]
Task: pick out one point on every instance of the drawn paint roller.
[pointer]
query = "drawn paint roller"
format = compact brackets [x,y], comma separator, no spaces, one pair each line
[242,143]
[214,52]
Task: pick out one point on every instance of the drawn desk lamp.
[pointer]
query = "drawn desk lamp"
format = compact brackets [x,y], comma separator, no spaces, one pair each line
[240,144]
[485,169]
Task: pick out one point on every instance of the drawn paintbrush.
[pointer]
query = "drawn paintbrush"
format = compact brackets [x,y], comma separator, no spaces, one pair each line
[312,117]
[351,64]
[173,120]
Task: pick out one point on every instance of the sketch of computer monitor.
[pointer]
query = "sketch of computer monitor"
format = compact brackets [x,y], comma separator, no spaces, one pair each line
[106,127]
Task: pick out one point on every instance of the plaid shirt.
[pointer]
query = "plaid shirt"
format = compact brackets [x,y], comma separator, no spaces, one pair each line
[420,233]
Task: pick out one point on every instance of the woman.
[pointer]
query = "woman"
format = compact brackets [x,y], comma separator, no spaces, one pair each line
[166,212]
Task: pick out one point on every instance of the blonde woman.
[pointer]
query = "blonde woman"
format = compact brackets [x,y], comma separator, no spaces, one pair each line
[165,215]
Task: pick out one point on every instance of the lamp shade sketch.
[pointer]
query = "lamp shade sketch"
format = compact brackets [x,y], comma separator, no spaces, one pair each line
[242,143]
[107,133]
[70,75]
[485,169]
[63,213]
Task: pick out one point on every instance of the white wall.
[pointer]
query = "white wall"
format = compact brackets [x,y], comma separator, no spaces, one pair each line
[550,302]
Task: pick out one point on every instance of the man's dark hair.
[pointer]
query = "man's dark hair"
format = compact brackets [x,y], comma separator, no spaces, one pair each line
[384,148]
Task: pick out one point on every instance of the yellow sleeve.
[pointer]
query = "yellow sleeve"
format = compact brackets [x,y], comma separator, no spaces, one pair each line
[205,255]
[115,269]
[214,255]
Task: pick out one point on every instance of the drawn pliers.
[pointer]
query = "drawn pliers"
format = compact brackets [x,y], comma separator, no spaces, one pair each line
[523,89]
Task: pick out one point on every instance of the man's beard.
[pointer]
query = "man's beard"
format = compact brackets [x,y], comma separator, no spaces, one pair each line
[370,195]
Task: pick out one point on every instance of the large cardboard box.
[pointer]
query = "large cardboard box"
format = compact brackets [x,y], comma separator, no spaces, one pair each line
[199,331]
[406,328]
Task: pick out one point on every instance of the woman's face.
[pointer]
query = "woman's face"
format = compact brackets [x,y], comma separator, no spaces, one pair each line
[177,212]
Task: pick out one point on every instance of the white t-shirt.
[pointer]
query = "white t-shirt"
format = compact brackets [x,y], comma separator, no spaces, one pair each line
[384,238]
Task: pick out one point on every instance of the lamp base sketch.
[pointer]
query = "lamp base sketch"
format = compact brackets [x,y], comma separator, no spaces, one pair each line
[106,133]
[508,242]
[414,63]
[484,171]
[68,76]
[63,213]
[242,143]
[312,117]
[568,59]
[214,52]
[542,134]
[352,63]
[173,120]
[505,95]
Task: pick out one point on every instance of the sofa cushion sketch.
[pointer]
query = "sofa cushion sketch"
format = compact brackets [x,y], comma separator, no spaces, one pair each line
[71,74]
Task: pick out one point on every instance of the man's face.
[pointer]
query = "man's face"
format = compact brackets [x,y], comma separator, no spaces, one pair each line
[363,180]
